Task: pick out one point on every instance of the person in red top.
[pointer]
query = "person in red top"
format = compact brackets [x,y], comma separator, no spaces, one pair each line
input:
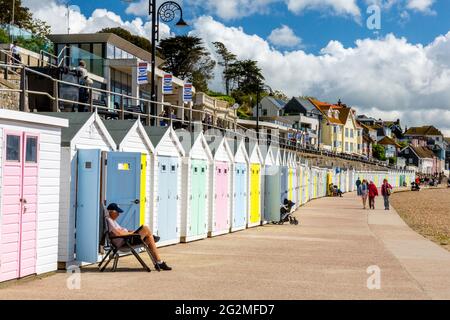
[373,192]
[386,191]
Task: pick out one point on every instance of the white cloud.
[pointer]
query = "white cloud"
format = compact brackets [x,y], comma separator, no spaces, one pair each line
[234,9]
[387,76]
[55,15]
[424,6]
[341,7]
[284,37]
[420,5]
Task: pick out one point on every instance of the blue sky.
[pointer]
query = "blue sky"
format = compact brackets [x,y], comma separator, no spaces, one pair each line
[316,27]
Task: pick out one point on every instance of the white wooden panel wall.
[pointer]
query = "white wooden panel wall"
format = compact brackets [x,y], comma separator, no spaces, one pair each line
[211,202]
[185,203]
[48,200]
[221,154]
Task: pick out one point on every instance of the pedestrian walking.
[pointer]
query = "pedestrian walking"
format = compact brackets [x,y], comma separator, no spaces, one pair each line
[386,191]
[84,81]
[358,187]
[364,192]
[373,192]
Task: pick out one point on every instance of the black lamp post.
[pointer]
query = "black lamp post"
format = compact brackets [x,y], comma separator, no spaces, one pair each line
[167,13]
[260,86]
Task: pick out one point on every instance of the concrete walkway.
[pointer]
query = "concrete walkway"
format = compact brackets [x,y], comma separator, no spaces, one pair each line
[325,257]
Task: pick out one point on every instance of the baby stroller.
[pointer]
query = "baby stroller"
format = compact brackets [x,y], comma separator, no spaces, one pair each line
[415,187]
[285,213]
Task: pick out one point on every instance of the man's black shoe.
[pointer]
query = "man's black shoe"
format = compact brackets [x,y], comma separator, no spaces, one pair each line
[163,266]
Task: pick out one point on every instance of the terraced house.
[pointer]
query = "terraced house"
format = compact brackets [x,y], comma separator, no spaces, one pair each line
[432,138]
[340,131]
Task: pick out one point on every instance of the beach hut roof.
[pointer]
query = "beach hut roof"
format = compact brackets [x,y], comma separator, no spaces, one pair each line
[77,120]
[188,144]
[118,129]
[214,143]
[156,134]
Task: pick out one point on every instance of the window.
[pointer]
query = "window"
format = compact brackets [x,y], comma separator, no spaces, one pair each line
[346,132]
[351,133]
[406,151]
[13,148]
[117,53]
[346,146]
[351,147]
[410,160]
[31,150]
[109,51]
[264,112]
[97,61]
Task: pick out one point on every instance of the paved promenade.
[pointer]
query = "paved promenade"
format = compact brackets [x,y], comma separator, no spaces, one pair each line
[325,257]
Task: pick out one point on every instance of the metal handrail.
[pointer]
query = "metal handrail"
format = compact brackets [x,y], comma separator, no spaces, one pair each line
[56,58]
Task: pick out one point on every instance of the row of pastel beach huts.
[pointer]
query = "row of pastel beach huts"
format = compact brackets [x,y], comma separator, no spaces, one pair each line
[59,170]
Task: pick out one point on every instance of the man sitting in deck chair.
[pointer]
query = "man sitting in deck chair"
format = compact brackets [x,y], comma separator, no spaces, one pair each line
[143,231]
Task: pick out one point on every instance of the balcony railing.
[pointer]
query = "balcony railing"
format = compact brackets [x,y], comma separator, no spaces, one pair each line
[210,102]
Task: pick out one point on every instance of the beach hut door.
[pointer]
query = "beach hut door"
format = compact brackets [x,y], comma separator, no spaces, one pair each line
[88,205]
[19,205]
[123,186]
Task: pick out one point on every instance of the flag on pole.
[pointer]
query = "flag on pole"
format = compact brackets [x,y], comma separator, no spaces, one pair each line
[167,85]
[187,92]
[142,77]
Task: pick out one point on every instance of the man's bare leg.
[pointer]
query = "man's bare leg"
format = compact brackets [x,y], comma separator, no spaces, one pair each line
[147,235]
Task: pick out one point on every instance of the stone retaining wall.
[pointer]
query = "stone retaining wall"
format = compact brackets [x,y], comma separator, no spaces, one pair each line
[9,100]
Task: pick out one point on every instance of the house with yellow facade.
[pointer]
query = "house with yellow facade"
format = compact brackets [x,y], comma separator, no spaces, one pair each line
[340,131]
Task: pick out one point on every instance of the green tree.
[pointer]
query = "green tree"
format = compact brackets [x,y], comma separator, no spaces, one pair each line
[245,76]
[379,152]
[403,144]
[138,41]
[40,29]
[227,58]
[280,95]
[23,18]
[187,58]
[393,161]
[22,15]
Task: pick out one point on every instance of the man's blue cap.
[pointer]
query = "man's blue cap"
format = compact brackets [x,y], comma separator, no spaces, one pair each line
[114,207]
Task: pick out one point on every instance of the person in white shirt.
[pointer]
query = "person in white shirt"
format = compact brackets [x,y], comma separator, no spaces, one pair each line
[146,234]
[84,80]
[15,52]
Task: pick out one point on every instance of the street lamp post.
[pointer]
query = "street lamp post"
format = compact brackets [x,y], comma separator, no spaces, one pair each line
[13,9]
[260,86]
[166,12]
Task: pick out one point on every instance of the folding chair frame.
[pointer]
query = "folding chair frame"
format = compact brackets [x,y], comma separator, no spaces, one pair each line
[113,251]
